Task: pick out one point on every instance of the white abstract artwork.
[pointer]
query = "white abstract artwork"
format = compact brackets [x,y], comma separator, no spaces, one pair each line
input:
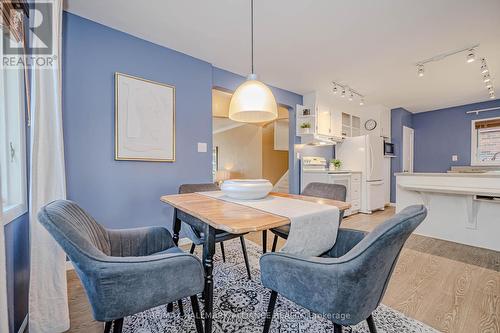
[144,119]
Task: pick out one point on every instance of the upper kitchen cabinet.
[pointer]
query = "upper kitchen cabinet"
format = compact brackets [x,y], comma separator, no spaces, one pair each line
[327,118]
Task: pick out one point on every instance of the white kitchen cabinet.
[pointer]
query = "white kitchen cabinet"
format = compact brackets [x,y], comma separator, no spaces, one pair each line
[328,119]
[281,134]
[385,122]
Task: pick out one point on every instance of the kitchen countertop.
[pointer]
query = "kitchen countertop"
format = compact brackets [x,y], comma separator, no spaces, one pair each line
[450,174]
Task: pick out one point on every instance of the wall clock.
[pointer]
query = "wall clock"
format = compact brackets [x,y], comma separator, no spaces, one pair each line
[370,124]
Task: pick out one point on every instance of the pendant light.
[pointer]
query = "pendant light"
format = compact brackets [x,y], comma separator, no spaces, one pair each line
[253,101]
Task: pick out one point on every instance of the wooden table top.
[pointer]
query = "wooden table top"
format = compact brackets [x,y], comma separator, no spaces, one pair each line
[236,218]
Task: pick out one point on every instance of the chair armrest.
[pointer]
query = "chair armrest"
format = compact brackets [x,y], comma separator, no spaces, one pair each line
[121,286]
[139,241]
[346,240]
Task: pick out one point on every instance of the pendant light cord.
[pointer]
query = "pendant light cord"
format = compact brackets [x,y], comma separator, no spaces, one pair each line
[251,35]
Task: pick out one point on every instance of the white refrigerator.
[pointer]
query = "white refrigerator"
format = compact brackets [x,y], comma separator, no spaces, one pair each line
[366,154]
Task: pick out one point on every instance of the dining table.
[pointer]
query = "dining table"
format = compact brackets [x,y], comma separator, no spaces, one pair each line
[209,214]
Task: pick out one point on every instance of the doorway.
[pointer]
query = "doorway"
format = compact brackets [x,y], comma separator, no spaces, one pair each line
[244,150]
[408,148]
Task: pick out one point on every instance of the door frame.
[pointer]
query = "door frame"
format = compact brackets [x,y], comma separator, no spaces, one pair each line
[408,149]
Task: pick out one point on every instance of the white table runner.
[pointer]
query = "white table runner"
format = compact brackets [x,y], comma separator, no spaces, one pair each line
[314,226]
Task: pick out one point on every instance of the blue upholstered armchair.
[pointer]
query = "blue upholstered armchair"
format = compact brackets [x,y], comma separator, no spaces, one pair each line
[349,281]
[123,271]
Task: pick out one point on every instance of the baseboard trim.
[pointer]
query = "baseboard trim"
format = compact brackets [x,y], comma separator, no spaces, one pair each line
[69,266]
[23,326]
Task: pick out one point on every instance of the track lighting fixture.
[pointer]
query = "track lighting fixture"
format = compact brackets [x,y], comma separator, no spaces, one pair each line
[420,70]
[484,66]
[471,56]
[346,89]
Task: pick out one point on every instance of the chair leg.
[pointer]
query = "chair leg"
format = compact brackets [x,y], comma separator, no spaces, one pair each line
[107,327]
[222,251]
[337,328]
[181,307]
[118,325]
[371,324]
[170,307]
[264,241]
[193,246]
[275,242]
[270,310]
[197,315]
[245,256]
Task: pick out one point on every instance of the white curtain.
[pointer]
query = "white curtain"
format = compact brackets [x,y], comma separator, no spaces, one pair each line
[48,300]
[4,323]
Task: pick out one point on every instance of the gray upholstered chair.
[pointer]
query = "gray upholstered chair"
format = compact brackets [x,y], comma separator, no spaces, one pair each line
[319,190]
[348,282]
[197,236]
[125,271]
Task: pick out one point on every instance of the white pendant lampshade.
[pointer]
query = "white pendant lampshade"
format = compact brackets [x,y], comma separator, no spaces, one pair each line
[253,102]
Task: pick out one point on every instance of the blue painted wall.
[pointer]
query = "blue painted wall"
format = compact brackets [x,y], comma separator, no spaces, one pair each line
[399,117]
[126,193]
[17,255]
[445,132]
[439,134]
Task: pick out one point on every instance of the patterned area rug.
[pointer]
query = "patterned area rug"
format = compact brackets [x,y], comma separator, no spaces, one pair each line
[240,306]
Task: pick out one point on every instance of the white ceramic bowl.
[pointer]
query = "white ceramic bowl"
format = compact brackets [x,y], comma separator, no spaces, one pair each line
[246,189]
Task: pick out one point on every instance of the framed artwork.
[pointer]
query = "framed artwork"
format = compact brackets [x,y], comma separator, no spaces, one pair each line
[144,119]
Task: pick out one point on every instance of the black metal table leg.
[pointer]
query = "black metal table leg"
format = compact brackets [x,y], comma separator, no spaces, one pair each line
[176,228]
[208,252]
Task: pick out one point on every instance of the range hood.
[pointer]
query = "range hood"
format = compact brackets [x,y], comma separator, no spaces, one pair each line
[314,139]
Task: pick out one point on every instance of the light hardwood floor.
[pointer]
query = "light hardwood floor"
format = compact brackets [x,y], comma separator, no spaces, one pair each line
[451,287]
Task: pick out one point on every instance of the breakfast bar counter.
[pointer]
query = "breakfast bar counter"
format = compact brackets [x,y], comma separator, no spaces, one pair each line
[462,207]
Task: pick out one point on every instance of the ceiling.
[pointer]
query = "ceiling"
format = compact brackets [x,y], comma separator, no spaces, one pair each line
[302,45]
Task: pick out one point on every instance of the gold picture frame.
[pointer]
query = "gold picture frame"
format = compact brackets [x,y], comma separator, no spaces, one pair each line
[128,148]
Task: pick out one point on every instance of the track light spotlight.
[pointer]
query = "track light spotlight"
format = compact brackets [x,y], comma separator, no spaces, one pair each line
[420,70]
[486,78]
[471,56]
[484,66]
[362,102]
[343,93]
[335,90]
[351,96]
[489,85]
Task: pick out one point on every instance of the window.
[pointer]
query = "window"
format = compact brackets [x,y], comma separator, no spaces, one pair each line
[12,143]
[485,142]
